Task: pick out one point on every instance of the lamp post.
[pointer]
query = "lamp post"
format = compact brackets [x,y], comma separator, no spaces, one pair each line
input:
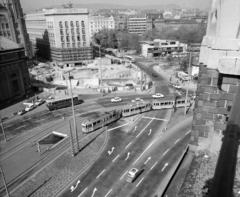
[73,112]
[190,57]
[100,64]
[4,135]
[4,181]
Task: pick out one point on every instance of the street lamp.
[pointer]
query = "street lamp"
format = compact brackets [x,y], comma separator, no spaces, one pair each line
[190,57]
[73,112]
[100,62]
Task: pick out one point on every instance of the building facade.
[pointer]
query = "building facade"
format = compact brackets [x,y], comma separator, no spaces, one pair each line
[137,24]
[159,48]
[121,22]
[60,34]
[97,23]
[14,75]
[12,24]
[150,21]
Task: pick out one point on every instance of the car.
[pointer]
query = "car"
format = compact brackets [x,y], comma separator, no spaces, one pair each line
[177,86]
[133,174]
[116,99]
[158,95]
[30,107]
[21,112]
[39,102]
[138,99]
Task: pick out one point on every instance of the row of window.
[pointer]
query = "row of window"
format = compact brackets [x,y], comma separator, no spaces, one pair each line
[5,25]
[5,34]
[71,24]
[73,38]
[74,45]
[67,32]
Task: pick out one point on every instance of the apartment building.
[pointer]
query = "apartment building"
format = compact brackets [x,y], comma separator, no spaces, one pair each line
[137,24]
[60,34]
[121,22]
[97,23]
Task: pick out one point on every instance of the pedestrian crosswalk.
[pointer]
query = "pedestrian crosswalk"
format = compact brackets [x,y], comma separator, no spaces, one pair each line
[161,83]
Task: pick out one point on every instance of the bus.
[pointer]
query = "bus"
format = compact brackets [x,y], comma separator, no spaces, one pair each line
[58,103]
[127,57]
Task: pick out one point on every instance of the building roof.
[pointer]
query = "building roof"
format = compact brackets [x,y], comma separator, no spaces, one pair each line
[6,44]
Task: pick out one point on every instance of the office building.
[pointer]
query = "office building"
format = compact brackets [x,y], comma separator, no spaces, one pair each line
[121,22]
[137,24]
[150,22]
[60,34]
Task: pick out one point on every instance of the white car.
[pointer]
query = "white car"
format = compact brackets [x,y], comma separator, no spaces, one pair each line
[21,112]
[39,102]
[132,175]
[177,86]
[116,99]
[138,99]
[158,95]
[30,107]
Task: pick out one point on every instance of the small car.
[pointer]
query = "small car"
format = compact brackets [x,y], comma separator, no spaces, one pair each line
[39,102]
[138,99]
[21,112]
[133,174]
[158,95]
[116,99]
[177,86]
[30,107]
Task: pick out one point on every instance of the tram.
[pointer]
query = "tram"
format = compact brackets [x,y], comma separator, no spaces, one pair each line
[136,108]
[170,103]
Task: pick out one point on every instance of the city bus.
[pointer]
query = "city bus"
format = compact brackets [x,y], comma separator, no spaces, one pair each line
[127,57]
[62,102]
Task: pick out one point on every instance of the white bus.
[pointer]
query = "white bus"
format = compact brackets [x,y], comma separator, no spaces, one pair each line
[127,57]
[58,103]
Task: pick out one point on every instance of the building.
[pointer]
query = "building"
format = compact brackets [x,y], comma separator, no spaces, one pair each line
[60,34]
[14,75]
[159,47]
[12,24]
[150,22]
[137,24]
[97,23]
[121,22]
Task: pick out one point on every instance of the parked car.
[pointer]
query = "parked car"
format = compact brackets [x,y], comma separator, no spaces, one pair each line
[177,86]
[30,107]
[116,99]
[158,95]
[39,102]
[21,112]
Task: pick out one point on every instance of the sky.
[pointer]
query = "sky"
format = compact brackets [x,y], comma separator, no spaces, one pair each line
[35,4]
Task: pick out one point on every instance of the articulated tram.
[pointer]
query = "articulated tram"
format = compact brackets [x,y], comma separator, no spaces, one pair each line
[105,118]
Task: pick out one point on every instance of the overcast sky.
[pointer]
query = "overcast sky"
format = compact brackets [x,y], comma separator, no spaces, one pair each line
[35,4]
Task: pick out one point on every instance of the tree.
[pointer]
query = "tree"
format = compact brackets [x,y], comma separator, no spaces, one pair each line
[169,59]
[184,63]
[112,39]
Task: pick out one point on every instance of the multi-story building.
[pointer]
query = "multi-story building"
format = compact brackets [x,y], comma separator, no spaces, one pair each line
[12,24]
[151,19]
[137,24]
[14,75]
[60,34]
[159,47]
[121,22]
[97,23]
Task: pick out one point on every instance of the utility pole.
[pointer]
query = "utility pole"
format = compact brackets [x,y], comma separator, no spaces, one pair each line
[71,139]
[4,181]
[4,135]
[100,64]
[190,57]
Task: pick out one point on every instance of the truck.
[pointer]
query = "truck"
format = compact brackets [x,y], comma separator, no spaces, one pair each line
[182,75]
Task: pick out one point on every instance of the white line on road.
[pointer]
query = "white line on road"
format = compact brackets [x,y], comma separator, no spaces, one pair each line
[128,145]
[108,192]
[21,126]
[8,126]
[160,119]
[118,127]
[148,117]
[123,175]
[100,174]
[39,120]
[144,128]
[153,118]
[153,166]
[82,192]
[140,181]
[58,115]
[176,141]
[187,132]
[115,158]
[164,166]
[165,152]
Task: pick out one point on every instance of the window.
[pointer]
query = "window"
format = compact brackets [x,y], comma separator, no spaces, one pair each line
[67,39]
[7,26]
[60,24]
[15,85]
[68,45]
[78,31]
[73,38]
[62,38]
[83,30]
[3,26]
[67,32]
[66,24]
[73,45]
[72,31]
[71,23]
[82,23]
[61,31]
[77,23]
[78,38]
[84,38]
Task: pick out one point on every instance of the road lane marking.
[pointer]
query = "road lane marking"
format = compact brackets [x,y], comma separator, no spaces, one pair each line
[118,127]
[153,166]
[140,181]
[164,166]
[8,126]
[100,174]
[144,128]
[165,152]
[127,156]
[82,192]
[123,175]
[115,158]
[128,145]
[58,115]
[148,117]
[95,189]
[21,126]
[147,160]
[153,118]
[108,192]
[150,132]
[176,141]
[187,132]
[39,120]
[146,149]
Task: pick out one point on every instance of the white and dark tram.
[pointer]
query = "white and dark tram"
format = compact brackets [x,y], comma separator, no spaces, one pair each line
[101,120]
[136,108]
[170,103]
